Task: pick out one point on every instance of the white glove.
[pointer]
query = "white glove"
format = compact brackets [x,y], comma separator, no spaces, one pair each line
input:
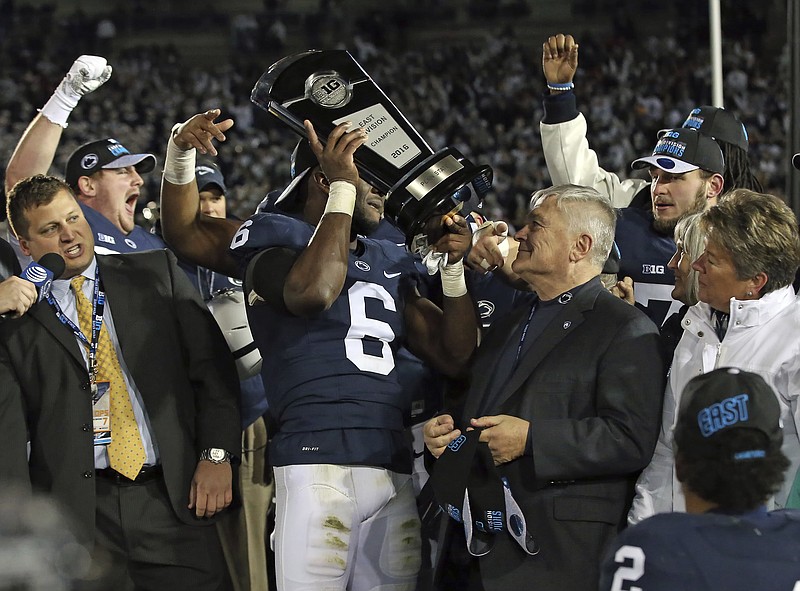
[434,261]
[87,74]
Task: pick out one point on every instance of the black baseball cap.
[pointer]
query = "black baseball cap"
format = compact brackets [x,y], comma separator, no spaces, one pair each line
[470,490]
[100,154]
[719,124]
[722,400]
[796,161]
[207,174]
[684,150]
[302,158]
[301,162]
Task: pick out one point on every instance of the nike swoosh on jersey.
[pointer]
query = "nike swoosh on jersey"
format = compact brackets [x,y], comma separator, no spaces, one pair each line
[390,275]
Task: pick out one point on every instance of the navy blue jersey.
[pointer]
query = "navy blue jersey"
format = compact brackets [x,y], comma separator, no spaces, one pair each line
[494,297]
[108,239]
[708,552]
[330,380]
[644,254]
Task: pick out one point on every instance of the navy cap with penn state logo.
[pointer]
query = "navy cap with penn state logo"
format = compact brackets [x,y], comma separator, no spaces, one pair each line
[100,154]
[723,400]
[684,150]
[208,174]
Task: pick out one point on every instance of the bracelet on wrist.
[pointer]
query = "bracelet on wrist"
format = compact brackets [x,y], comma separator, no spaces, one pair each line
[560,87]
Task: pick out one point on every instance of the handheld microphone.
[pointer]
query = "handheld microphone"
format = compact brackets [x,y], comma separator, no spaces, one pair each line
[51,266]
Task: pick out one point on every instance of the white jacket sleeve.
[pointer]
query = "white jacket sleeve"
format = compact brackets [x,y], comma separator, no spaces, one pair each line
[570,160]
[654,489]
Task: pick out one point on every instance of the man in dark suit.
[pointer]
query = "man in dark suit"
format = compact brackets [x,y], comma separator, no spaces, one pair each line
[567,395]
[176,380]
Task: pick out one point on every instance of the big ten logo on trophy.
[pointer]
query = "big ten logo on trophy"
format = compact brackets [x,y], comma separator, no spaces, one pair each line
[421,185]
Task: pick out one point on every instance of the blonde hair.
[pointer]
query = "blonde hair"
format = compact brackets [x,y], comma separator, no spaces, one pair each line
[692,236]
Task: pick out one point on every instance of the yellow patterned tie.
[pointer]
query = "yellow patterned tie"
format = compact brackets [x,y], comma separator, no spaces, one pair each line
[125,452]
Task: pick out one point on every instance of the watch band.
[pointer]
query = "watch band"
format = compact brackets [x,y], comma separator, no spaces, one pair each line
[215,455]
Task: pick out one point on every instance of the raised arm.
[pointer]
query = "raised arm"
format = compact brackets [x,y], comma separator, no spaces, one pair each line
[198,238]
[318,275]
[566,149]
[36,148]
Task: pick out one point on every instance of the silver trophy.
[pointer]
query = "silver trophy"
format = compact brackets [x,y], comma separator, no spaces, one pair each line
[331,87]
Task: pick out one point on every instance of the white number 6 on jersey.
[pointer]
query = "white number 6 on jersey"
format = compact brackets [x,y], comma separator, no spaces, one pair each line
[242,234]
[361,326]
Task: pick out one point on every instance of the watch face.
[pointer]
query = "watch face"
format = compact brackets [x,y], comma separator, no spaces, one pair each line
[217,454]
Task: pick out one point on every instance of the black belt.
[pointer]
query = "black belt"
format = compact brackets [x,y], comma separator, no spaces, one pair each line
[146,474]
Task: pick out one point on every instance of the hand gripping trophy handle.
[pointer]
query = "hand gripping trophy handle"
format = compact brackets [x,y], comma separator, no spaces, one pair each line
[329,87]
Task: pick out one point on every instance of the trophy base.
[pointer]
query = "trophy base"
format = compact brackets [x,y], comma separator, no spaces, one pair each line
[435,187]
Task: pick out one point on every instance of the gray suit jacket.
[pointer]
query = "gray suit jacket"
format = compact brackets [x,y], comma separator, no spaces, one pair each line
[179,361]
[591,387]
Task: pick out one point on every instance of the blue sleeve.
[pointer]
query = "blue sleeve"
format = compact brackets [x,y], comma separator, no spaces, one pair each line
[268,230]
[559,108]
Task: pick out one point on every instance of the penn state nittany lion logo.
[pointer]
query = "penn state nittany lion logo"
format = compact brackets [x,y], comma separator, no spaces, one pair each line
[89,161]
[485,308]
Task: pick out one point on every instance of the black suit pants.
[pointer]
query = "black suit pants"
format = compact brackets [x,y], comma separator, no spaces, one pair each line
[141,544]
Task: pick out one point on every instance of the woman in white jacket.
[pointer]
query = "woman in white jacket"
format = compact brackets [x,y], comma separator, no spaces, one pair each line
[748,317]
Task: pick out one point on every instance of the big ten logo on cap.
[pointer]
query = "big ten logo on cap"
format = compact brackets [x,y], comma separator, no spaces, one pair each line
[386,137]
[723,414]
[456,444]
[670,147]
[116,148]
[693,121]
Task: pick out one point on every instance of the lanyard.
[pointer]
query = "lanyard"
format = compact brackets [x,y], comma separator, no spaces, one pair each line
[98,306]
[522,336]
[563,299]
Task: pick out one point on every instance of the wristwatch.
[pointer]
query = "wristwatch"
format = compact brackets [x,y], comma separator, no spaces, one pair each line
[215,455]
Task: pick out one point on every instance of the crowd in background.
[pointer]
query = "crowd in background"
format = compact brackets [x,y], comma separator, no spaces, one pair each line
[483,98]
